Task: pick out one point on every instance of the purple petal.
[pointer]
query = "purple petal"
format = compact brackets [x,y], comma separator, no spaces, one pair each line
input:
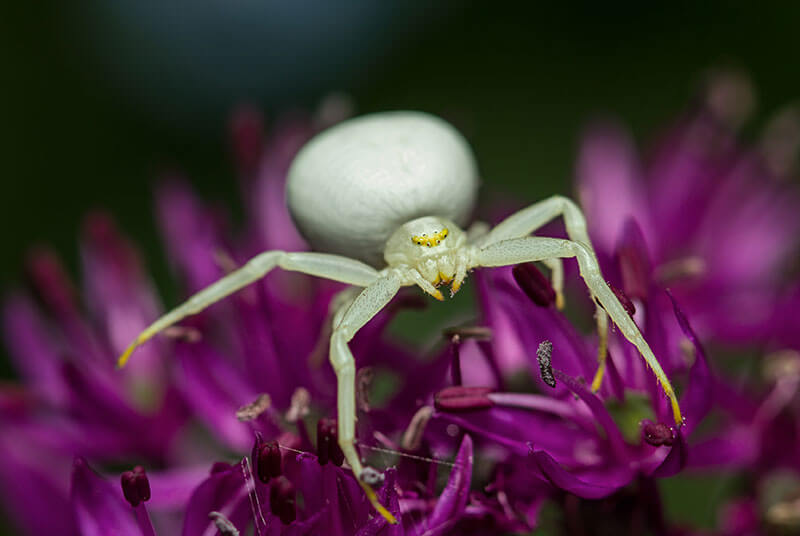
[450,506]
[696,402]
[191,234]
[609,183]
[676,459]
[26,335]
[227,491]
[33,480]
[543,464]
[599,411]
[98,505]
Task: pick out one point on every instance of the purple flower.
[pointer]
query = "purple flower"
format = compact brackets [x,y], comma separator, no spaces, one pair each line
[719,222]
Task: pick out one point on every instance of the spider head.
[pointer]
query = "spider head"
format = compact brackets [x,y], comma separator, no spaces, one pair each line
[428,245]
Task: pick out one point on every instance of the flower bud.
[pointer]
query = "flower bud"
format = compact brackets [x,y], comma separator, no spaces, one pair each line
[328,443]
[282,500]
[657,434]
[534,284]
[135,486]
[459,398]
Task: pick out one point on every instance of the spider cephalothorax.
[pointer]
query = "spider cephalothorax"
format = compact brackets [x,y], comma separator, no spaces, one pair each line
[382,198]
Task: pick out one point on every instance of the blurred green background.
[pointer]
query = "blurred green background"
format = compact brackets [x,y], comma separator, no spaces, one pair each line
[98,98]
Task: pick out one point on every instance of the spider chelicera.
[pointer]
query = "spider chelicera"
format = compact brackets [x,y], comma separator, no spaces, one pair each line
[382,199]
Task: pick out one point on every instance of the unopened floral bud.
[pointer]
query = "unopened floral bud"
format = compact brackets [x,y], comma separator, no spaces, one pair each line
[534,284]
[135,486]
[267,460]
[282,500]
[626,302]
[328,443]
[657,434]
[459,398]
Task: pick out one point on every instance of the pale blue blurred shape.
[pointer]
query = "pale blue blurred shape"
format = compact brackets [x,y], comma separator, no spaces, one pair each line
[185,62]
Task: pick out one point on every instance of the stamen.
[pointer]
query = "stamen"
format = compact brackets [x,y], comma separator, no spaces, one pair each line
[364,378]
[544,356]
[371,477]
[251,411]
[327,443]
[459,399]
[299,406]
[223,524]
[534,284]
[657,434]
[282,500]
[626,302]
[183,334]
[412,437]
[135,486]
[267,460]
[455,359]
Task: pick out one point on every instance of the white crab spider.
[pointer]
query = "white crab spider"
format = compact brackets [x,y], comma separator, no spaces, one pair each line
[384,196]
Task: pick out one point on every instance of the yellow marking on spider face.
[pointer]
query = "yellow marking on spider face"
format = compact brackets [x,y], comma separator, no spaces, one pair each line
[431,241]
[372,497]
[443,278]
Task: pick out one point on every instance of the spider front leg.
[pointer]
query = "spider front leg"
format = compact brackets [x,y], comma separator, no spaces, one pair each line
[519,250]
[365,306]
[528,220]
[323,265]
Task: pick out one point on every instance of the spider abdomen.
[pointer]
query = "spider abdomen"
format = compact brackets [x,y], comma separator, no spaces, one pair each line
[354,184]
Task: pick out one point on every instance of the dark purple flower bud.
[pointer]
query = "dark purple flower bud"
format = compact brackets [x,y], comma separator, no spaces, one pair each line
[544,356]
[135,486]
[534,284]
[267,460]
[282,500]
[634,262]
[247,139]
[459,398]
[328,443]
[626,302]
[50,282]
[657,434]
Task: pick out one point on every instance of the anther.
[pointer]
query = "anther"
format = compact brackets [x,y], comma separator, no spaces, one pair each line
[299,405]
[135,486]
[266,459]
[412,437]
[282,500]
[327,443]
[626,302]
[183,334]
[364,377]
[544,356]
[251,411]
[371,477]
[657,434]
[534,284]
[459,399]
[223,524]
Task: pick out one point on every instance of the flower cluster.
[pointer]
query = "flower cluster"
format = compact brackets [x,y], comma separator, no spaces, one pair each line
[226,424]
